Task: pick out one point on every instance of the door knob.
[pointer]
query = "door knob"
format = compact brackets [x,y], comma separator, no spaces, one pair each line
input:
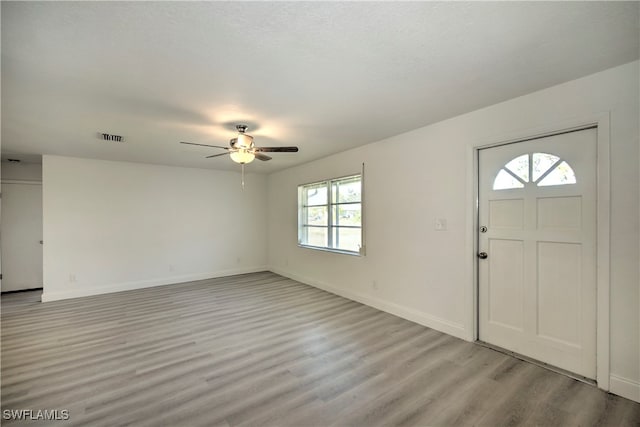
[483,255]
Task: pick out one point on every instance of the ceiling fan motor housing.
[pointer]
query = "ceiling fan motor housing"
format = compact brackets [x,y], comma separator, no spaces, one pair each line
[242,140]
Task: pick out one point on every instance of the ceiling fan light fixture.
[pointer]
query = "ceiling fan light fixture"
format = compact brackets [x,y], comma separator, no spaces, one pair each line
[242,149]
[243,156]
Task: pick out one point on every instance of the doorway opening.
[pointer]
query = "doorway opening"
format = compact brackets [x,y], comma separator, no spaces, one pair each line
[541,207]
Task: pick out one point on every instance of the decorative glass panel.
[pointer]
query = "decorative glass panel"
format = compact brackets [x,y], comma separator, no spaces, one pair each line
[520,167]
[545,169]
[560,175]
[504,181]
[541,163]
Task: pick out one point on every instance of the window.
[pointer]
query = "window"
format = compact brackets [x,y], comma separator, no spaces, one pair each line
[543,168]
[330,214]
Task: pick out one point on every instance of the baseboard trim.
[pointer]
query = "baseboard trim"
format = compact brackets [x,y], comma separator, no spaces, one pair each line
[128,286]
[413,315]
[625,387]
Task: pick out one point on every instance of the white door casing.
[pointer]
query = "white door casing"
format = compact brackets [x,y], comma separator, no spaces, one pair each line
[20,234]
[537,286]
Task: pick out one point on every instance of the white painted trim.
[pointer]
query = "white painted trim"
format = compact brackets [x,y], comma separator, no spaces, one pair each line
[149,283]
[603,228]
[603,253]
[471,298]
[625,387]
[413,315]
[20,181]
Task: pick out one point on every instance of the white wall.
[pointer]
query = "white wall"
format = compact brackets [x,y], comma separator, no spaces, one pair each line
[414,178]
[21,171]
[117,226]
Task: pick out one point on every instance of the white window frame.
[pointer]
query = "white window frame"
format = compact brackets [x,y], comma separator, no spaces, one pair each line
[330,224]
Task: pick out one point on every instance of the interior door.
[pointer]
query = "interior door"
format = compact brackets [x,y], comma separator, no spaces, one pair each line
[537,249]
[21,234]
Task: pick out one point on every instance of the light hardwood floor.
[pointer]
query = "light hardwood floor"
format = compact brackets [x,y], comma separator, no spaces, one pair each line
[260,349]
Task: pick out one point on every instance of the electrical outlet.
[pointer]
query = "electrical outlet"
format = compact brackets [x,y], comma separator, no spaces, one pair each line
[72,277]
[441,224]
[374,285]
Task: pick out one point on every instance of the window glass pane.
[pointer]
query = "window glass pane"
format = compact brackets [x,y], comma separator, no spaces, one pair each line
[317,236]
[350,214]
[332,206]
[504,181]
[541,163]
[346,239]
[561,175]
[346,190]
[317,215]
[520,167]
[315,194]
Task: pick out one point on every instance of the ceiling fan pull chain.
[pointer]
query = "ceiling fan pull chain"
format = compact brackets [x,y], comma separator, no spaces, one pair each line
[243,177]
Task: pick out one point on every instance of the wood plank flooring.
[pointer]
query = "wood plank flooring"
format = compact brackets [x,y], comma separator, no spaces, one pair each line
[263,350]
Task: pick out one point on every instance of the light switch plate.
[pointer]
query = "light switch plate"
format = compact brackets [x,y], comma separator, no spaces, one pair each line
[441,224]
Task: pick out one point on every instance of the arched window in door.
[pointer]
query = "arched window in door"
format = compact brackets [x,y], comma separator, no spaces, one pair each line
[540,169]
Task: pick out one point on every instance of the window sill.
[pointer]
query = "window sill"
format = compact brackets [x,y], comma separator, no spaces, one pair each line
[335,251]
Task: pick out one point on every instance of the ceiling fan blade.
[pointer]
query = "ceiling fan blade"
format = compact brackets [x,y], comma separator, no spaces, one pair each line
[204,145]
[277,149]
[262,157]
[217,155]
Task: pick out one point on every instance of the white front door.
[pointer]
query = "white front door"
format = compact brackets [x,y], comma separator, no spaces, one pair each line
[537,249]
[20,235]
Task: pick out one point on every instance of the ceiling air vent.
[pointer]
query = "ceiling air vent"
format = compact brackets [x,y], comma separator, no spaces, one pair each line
[110,137]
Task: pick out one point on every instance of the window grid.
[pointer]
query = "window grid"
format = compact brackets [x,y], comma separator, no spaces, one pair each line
[332,211]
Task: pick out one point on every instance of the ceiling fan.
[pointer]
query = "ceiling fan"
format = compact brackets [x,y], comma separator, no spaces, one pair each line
[242,149]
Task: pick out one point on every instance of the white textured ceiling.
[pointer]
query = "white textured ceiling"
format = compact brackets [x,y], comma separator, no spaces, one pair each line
[323,76]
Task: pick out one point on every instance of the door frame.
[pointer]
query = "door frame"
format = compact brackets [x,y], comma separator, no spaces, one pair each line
[603,205]
[16,181]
